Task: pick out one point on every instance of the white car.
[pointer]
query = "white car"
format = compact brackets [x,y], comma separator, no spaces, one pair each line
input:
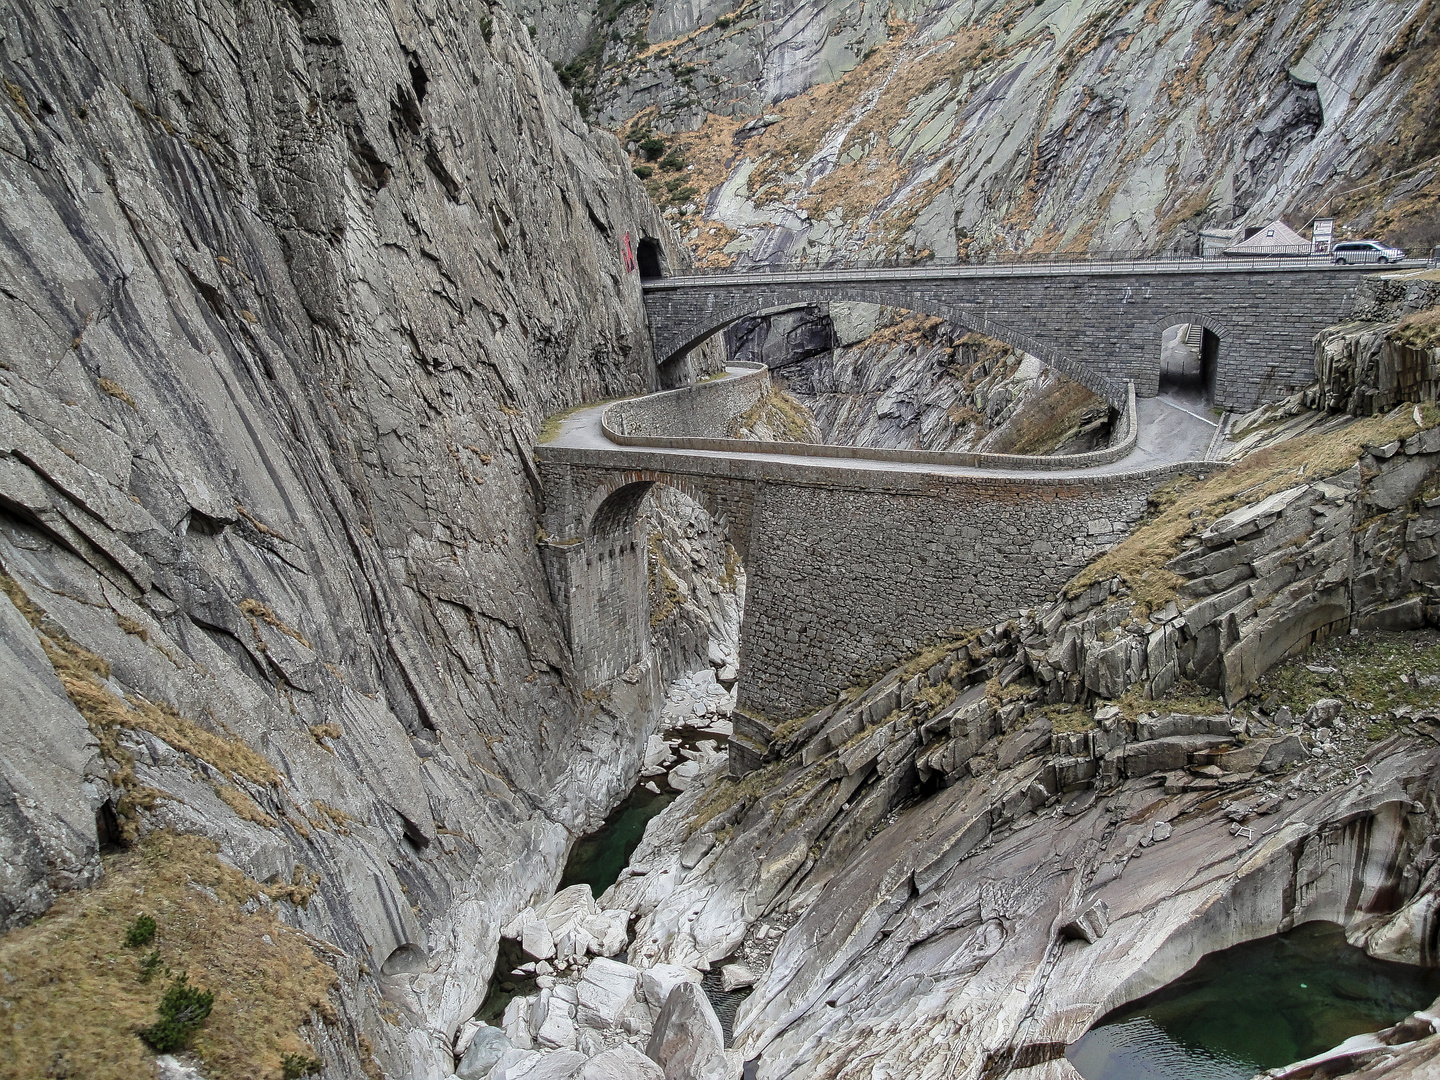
[1366,251]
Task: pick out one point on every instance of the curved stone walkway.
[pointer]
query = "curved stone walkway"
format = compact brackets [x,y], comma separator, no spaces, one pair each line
[1173,428]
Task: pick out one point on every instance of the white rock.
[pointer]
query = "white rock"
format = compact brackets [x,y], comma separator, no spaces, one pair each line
[169,1068]
[684,775]
[562,1065]
[656,982]
[607,931]
[537,941]
[568,908]
[554,1020]
[688,1043]
[656,750]
[604,993]
[483,1054]
[1161,831]
[516,1022]
[516,926]
[463,1035]
[735,977]
[622,1063]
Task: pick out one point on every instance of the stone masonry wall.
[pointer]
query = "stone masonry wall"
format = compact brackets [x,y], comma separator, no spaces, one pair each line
[702,411]
[1105,324]
[848,569]
[845,579]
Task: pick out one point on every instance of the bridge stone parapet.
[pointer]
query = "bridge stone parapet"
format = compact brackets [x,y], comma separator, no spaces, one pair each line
[1099,324]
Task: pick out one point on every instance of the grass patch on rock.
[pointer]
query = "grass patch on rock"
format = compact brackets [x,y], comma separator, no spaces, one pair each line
[1187,506]
[1374,674]
[76,996]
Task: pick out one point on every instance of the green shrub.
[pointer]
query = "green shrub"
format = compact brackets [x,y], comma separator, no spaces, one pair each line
[487,28]
[182,1010]
[149,966]
[672,162]
[295,1066]
[644,172]
[652,147]
[140,932]
[533,32]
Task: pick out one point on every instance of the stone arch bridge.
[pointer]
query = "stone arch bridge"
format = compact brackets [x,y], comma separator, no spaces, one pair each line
[854,559]
[1098,322]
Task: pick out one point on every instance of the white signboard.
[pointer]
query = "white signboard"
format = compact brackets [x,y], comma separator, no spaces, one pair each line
[1321,233]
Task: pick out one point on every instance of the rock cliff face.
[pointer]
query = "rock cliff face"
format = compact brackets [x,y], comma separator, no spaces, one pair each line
[1389,354]
[956,870]
[813,130]
[285,290]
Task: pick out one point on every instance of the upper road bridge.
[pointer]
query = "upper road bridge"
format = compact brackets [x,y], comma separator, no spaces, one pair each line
[1097,321]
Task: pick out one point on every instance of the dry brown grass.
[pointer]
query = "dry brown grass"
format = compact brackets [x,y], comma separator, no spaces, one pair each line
[84,674]
[1047,420]
[71,992]
[115,390]
[786,419]
[1139,560]
[255,610]
[1421,330]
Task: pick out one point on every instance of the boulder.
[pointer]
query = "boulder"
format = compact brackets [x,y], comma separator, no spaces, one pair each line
[624,1062]
[516,1022]
[1323,712]
[607,931]
[604,993]
[536,940]
[1168,754]
[568,908]
[561,1065]
[1161,727]
[736,977]
[484,1052]
[688,1043]
[1282,752]
[553,1019]
[657,982]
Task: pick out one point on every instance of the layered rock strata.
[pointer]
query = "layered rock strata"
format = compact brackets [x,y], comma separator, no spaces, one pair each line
[287,292]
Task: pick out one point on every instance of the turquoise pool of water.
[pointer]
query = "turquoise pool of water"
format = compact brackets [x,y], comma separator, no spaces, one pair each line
[1254,1007]
[597,859]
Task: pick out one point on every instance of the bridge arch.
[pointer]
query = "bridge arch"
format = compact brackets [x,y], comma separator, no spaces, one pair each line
[724,315]
[614,506]
[1214,333]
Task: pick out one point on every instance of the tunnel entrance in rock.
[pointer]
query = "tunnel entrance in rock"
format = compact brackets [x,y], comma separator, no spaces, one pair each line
[650,259]
[1189,355]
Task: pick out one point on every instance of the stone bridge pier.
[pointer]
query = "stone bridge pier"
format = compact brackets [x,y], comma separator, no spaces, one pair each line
[849,569]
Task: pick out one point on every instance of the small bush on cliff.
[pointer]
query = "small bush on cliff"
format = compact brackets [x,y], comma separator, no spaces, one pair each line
[182,1010]
[140,932]
[644,172]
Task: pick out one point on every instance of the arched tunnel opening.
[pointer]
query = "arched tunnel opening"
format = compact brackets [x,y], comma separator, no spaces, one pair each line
[1189,354]
[650,258]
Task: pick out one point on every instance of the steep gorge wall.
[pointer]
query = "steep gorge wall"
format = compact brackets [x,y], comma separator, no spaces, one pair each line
[285,290]
[824,129]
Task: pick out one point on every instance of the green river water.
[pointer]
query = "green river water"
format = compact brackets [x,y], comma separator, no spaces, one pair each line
[1253,1007]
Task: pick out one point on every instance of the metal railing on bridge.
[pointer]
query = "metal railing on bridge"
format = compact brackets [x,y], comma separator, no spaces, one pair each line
[1037,262]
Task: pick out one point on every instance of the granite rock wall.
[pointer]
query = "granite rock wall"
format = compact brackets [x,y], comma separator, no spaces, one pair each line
[285,290]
